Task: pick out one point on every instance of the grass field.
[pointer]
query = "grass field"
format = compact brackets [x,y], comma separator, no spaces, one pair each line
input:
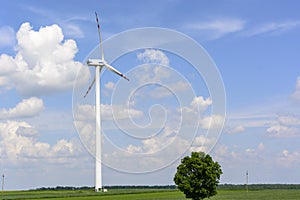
[147,194]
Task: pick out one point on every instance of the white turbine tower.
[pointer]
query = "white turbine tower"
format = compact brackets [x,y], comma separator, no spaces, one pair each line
[99,64]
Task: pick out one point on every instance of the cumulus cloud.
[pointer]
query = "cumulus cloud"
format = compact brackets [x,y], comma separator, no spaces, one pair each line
[26,108]
[255,152]
[156,67]
[119,112]
[13,142]
[296,94]
[212,121]
[155,144]
[7,36]
[202,143]
[63,147]
[198,105]
[19,143]
[168,90]
[223,153]
[154,56]
[288,120]
[8,65]
[44,62]
[86,112]
[68,24]
[134,149]
[109,85]
[198,109]
[261,147]
[201,103]
[233,155]
[151,156]
[288,159]
[281,131]
[237,129]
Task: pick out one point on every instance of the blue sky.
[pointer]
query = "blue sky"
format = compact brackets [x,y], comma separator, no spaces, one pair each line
[254,45]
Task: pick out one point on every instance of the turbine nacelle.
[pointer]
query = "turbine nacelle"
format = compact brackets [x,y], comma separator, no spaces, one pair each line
[96,62]
[103,63]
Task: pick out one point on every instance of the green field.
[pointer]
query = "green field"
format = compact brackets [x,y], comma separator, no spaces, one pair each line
[147,194]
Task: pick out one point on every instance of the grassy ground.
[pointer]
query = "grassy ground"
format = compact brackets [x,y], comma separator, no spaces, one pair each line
[258,195]
[150,194]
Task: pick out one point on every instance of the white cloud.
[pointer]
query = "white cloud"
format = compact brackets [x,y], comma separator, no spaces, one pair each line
[168,90]
[26,108]
[149,154]
[201,103]
[235,154]
[285,153]
[218,28]
[13,142]
[134,149]
[237,129]
[202,143]
[288,120]
[281,131]
[273,27]
[63,147]
[198,105]
[296,94]
[86,112]
[154,144]
[43,63]
[212,122]
[119,112]
[149,149]
[152,73]
[109,85]
[255,152]
[72,30]
[7,36]
[154,56]
[156,67]
[261,147]
[225,154]
[7,64]
[26,130]
[198,112]
[250,151]
[288,159]
[19,143]
[221,151]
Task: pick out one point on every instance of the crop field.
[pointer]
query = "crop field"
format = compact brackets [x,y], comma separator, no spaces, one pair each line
[148,194]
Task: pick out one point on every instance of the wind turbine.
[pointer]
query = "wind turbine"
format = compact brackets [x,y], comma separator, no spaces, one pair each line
[2,182]
[99,64]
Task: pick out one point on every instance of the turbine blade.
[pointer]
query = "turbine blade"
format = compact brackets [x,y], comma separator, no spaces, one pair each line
[111,68]
[90,87]
[100,37]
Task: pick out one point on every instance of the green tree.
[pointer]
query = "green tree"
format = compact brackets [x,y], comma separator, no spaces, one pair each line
[198,176]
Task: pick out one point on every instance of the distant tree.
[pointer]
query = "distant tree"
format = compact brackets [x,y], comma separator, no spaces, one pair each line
[198,176]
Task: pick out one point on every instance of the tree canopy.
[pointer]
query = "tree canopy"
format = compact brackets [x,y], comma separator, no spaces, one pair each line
[198,176]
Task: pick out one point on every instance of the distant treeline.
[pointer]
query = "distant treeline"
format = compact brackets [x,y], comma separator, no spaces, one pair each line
[64,188]
[258,186]
[220,187]
[110,187]
[142,187]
